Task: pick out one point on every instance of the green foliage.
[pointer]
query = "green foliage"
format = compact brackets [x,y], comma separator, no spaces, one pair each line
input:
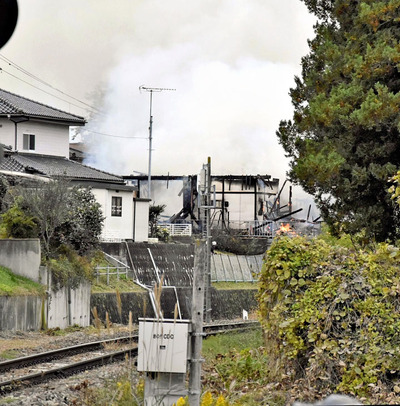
[57,331]
[235,361]
[161,233]
[330,313]
[83,222]
[4,185]
[215,345]
[14,285]
[16,223]
[123,284]
[9,354]
[155,230]
[120,391]
[243,366]
[48,202]
[394,190]
[344,138]
[343,240]
[56,213]
[69,269]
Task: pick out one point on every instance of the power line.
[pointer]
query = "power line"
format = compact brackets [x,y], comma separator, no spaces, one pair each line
[114,136]
[38,88]
[26,72]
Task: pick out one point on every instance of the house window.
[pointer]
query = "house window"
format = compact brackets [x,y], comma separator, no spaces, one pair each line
[116,206]
[29,142]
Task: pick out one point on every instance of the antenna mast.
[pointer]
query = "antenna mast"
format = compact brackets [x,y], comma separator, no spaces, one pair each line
[151,90]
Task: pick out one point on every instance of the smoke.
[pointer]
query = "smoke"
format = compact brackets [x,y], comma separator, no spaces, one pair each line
[231,62]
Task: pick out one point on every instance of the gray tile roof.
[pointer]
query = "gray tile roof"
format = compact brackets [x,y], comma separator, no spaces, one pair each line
[13,104]
[56,166]
[11,165]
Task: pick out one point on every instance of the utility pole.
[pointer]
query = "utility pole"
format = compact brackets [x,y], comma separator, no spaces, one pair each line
[205,207]
[151,90]
[197,323]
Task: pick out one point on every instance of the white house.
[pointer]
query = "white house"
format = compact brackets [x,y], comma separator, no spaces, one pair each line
[36,140]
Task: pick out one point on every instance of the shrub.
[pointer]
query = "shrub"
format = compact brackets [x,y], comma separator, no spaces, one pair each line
[330,313]
[16,223]
[83,222]
[69,269]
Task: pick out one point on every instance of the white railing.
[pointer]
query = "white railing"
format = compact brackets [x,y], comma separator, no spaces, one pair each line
[111,239]
[109,271]
[257,228]
[111,236]
[253,228]
[177,229]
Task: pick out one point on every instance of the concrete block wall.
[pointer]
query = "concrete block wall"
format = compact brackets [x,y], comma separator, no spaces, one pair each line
[67,307]
[226,304]
[60,309]
[22,313]
[22,256]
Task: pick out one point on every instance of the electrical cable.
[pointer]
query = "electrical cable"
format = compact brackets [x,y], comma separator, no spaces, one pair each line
[115,136]
[38,88]
[24,71]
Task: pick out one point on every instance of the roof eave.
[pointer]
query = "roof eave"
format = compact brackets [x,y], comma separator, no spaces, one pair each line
[61,121]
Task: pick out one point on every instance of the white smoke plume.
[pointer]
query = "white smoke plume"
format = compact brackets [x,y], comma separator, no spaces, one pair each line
[231,62]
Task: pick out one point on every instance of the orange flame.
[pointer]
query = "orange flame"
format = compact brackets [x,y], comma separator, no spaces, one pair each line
[285,228]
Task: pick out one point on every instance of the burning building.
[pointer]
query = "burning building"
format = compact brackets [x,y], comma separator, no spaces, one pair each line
[238,202]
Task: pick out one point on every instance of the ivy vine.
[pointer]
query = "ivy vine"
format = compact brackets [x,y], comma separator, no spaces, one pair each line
[330,313]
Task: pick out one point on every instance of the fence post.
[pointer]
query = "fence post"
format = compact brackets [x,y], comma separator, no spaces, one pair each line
[108,275]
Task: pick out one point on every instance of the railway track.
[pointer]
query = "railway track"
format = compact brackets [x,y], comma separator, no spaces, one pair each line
[72,366]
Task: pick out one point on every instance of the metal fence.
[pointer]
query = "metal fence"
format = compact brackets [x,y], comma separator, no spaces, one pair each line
[110,271]
[235,268]
[177,229]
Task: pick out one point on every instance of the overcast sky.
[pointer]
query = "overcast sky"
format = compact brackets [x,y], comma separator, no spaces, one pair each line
[231,62]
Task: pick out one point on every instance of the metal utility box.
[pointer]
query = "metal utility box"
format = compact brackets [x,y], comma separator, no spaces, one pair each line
[163,345]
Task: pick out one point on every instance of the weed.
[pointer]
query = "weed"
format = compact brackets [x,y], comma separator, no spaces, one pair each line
[14,285]
[9,354]
[121,391]
[97,322]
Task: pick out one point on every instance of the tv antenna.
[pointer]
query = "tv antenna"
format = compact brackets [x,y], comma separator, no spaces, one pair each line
[151,90]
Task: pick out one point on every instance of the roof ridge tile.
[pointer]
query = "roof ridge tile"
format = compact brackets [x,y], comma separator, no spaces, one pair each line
[29,107]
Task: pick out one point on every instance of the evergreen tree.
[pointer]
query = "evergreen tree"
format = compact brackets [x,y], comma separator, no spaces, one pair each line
[57,213]
[83,223]
[344,137]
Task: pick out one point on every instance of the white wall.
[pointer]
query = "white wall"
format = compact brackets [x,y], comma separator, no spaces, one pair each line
[116,227]
[141,208]
[50,139]
[7,132]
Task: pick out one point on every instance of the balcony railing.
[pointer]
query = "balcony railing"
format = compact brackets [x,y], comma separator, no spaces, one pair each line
[177,229]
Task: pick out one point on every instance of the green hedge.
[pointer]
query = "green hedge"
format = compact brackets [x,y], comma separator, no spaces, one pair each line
[331,314]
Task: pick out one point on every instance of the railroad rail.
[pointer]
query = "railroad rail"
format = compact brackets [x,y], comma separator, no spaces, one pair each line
[62,371]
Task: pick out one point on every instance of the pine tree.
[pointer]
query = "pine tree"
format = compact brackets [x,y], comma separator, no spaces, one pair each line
[344,139]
